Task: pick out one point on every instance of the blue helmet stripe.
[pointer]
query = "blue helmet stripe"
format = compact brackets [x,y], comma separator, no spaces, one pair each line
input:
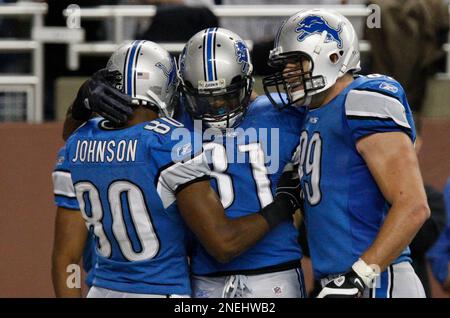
[138,51]
[128,66]
[209,57]
[130,77]
[214,53]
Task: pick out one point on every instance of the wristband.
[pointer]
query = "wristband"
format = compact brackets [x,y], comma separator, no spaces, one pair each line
[366,272]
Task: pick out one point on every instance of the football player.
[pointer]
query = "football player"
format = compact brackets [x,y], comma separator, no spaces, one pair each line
[216,75]
[137,188]
[216,83]
[363,191]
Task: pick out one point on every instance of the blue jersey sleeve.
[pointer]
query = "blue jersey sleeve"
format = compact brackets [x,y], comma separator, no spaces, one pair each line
[63,190]
[378,105]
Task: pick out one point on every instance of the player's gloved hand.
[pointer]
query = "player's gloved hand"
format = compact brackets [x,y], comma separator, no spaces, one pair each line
[97,95]
[287,199]
[352,284]
[288,188]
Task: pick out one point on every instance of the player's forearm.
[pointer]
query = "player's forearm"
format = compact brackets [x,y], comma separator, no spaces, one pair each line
[238,235]
[81,113]
[60,277]
[70,124]
[400,226]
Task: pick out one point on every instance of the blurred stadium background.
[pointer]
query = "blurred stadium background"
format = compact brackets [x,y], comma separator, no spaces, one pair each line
[48,48]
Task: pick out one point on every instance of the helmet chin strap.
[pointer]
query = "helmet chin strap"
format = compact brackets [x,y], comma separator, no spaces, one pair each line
[226,123]
[301,99]
[160,104]
[347,58]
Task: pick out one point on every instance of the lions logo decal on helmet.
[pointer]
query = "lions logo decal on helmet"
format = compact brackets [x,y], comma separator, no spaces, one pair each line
[242,55]
[316,25]
[171,75]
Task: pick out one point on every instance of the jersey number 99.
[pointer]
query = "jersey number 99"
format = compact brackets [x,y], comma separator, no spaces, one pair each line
[309,168]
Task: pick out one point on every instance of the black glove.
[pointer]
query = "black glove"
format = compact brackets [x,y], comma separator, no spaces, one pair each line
[286,201]
[98,95]
[349,285]
[288,188]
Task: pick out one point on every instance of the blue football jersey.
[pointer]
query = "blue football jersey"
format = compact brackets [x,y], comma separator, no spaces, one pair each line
[246,165]
[344,206]
[125,181]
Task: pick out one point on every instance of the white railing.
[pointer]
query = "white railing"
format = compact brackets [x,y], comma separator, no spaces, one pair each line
[119,13]
[33,83]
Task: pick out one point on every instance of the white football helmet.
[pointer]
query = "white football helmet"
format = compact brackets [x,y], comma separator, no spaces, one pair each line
[322,41]
[146,72]
[216,80]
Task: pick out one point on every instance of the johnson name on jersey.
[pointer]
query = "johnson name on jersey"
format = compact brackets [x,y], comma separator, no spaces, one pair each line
[124,182]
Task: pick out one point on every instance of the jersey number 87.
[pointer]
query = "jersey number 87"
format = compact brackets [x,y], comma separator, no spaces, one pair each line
[225,182]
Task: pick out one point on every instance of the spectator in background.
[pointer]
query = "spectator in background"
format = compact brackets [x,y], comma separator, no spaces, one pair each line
[431,229]
[55,54]
[177,22]
[408,46]
[439,254]
[262,30]
[136,27]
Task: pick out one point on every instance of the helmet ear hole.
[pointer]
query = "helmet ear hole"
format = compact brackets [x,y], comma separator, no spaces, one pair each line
[236,79]
[334,58]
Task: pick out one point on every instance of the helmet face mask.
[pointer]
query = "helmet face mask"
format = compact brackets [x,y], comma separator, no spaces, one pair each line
[216,88]
[223,108]
[326,40]
[294,81]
